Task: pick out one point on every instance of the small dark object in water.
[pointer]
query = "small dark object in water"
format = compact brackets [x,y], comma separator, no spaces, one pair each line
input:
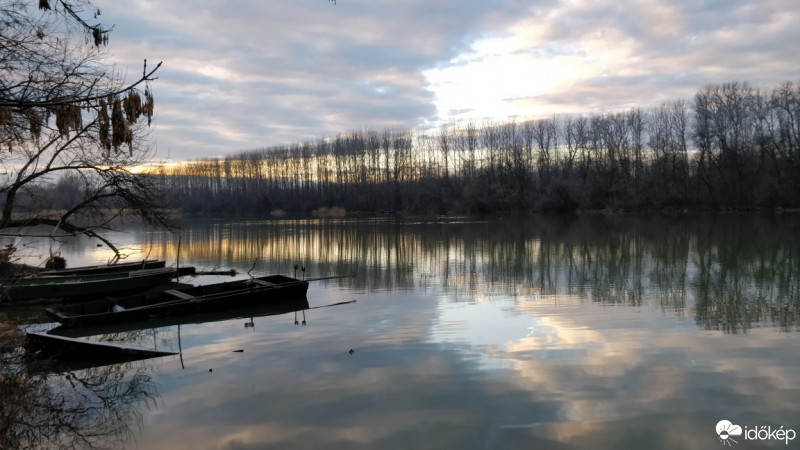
[352,351]
[239,351]
[55,262]
[186,271]
[210,370]
[5,254]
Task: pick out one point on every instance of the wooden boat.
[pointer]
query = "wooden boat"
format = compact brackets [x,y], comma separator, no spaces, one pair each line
[84,287]
[219,296]
[107,268]
[65,352]
[52,346]
[247,311]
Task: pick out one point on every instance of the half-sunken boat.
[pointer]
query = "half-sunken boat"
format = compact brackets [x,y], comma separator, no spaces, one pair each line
[246,311]
[210,297]
[74,354]
[83,287]
[52,346]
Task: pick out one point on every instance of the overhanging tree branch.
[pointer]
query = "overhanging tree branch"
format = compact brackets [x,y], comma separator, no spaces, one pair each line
[66,226]
[15,103]
[64,112]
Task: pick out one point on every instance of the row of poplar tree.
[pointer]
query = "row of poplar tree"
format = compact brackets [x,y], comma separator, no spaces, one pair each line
[733,146]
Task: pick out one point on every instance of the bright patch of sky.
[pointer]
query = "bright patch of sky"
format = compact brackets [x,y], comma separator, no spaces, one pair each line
[502,77]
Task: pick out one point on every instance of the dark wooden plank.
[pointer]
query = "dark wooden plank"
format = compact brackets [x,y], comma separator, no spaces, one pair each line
[179,294]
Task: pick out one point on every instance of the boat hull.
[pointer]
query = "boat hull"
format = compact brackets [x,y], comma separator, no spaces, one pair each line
[74,354]
[107,268]
[247,311]
[85,287]
[213,297]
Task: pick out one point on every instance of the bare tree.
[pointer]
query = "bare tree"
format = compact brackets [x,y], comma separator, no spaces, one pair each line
[64,110]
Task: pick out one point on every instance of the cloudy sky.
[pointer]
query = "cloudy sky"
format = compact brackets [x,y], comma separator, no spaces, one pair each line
[239,75]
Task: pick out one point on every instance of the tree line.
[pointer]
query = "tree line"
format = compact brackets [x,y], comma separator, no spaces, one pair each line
[734,146]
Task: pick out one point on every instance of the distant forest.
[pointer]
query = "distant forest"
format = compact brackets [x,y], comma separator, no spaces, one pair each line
[733,147]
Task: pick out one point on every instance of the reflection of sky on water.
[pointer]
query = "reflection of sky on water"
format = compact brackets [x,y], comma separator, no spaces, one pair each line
[464,357]
[431,374]
[480,330]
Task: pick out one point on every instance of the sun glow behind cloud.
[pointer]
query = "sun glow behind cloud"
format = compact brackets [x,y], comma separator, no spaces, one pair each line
[503,77]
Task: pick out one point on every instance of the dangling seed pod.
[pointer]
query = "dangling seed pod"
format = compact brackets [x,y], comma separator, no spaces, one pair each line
[68,118]
[74,118]
[103,123]
[35,125]
[126,106]
[129,141]
[60,120]
[5,115]
[98,36]
[133,106]
[148,105]
[118,126]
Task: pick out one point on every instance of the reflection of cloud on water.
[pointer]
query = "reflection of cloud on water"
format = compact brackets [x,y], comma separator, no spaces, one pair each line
[478,329]
[607,368]
[613,391]
[349,404]
[506,375]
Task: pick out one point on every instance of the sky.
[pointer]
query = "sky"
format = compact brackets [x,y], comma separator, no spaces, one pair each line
[240,75]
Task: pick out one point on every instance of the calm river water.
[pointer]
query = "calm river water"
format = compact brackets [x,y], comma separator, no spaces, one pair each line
[556,333]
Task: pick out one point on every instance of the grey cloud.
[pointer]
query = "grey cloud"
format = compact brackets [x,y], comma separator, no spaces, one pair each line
[297,70]
[615,93]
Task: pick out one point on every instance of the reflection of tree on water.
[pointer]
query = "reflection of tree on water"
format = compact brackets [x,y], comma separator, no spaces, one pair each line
[745,278]
[156,338]
[94,407]
[730,272]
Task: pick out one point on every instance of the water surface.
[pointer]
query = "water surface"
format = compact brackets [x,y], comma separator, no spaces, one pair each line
[562,333]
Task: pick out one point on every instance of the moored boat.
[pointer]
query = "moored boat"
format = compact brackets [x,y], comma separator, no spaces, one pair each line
[243,311]
[107,268]
[218,296]
[83,287]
